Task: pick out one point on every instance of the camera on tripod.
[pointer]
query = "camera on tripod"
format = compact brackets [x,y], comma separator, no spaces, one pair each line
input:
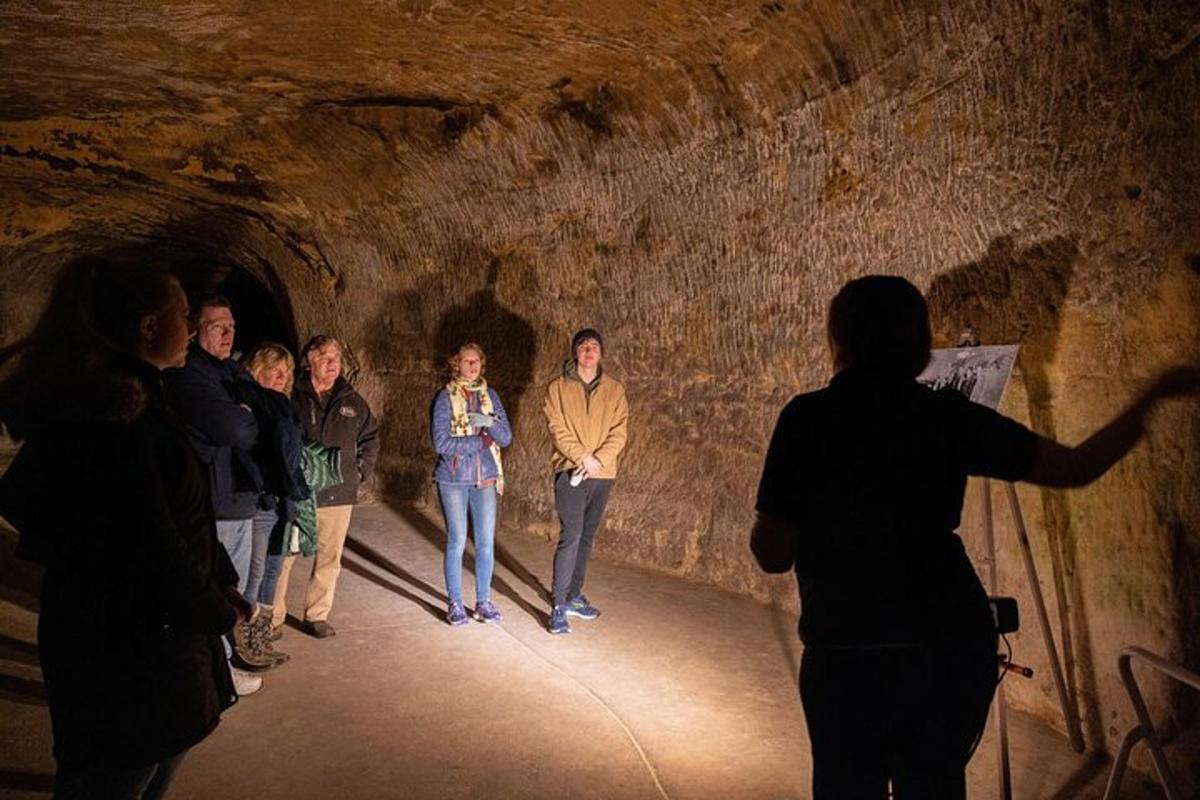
[1004,614]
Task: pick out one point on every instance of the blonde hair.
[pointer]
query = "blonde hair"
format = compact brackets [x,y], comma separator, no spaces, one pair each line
[266,356]
[455,360]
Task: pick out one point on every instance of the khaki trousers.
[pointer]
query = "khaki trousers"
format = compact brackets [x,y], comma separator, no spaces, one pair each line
[333,523]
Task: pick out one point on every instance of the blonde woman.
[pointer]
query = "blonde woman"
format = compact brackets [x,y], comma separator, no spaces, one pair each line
[277,454]
[469,427]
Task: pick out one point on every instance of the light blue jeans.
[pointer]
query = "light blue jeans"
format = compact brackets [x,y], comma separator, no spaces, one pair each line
[480,503]
[237,537]
[264,567]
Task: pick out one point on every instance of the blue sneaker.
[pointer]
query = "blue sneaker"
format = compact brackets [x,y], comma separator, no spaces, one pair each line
[456,614]
[580,607]
[486,611]
[558,620]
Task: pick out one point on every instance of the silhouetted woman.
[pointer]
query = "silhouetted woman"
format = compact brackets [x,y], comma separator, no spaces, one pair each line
[469,427]
[861,493]
[107,494]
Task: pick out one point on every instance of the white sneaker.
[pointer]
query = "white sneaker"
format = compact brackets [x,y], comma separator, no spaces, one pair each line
[245,683]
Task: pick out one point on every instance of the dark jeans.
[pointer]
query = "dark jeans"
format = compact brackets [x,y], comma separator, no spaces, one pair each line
[905,715]
[580,509]
[143,783]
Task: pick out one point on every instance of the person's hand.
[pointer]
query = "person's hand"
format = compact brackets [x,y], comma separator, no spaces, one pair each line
[243,607]
[592,466]
[1175,383]
[480,420]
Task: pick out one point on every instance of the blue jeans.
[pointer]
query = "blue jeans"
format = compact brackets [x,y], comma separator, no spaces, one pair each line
[236,536]
[140,783]
[264,568]
[480,503]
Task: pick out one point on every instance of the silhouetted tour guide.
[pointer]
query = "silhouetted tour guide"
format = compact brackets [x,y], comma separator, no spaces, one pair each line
[108,494]
[861,493]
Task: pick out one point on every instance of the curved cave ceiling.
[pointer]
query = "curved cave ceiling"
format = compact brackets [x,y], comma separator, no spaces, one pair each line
[696,180]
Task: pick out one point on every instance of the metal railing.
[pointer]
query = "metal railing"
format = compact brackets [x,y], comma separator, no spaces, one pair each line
[1145,727]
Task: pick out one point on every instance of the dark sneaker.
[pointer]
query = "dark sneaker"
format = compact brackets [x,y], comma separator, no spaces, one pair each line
[486,611]
[580,607]
[317,628]
[456,614]
[558,620]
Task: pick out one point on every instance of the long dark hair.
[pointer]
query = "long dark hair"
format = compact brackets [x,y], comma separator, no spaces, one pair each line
[90,323]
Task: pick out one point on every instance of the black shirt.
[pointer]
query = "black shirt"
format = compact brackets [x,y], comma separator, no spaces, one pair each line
[871,472]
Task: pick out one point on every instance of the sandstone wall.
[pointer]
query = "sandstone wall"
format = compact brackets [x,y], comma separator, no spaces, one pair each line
[696,185]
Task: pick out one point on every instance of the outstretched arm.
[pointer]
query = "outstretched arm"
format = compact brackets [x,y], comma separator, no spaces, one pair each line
[1059,465]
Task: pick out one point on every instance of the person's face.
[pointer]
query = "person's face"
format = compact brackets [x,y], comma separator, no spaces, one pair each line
[214,331]
[166,333]
[276,377]
[587,354]
[470,365]
[325,364]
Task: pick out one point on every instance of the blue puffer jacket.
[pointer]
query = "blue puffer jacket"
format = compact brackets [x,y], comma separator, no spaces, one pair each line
[463,460]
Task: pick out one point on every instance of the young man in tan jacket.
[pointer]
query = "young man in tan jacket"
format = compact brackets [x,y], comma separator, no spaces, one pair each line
[587,413]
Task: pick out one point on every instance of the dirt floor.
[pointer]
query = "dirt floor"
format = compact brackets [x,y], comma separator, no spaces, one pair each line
[677,691]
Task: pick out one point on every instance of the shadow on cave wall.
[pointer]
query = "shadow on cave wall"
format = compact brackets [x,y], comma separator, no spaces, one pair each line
[1015,295]
[414,346]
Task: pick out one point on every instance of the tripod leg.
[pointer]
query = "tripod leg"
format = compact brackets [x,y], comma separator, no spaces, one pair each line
[989,543]
[1070,714]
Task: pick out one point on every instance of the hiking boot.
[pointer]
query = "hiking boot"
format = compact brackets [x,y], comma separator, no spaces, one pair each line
[486,611]
[260,637]
[580,607]
[456,614]
[558,620]
[276,633]
[317,628]
[244,683]
[244,654]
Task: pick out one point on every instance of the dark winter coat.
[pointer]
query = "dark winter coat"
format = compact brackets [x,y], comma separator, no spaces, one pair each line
[132,606]
[277,451]
[341,419]
[206,394]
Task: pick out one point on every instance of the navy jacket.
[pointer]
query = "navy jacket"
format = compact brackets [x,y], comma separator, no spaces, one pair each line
[206,393]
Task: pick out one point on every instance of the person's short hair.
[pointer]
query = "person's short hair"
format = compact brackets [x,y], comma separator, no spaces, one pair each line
[455,360]
[316,343]
[880,322]
[265,356]
[209,300]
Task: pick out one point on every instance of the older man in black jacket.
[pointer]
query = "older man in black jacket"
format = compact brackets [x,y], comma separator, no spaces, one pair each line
[335,415]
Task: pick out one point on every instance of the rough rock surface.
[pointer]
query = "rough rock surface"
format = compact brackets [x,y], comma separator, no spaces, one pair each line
[696,180]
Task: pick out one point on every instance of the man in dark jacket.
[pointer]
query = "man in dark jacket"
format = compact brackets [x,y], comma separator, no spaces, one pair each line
[335,415]
[204,393]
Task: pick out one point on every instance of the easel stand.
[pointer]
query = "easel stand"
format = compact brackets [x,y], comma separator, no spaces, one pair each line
[1074,731]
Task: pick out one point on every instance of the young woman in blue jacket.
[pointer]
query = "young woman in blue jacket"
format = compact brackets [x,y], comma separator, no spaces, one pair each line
[469,426]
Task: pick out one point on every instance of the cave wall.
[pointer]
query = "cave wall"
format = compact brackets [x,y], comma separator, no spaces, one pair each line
[696,185]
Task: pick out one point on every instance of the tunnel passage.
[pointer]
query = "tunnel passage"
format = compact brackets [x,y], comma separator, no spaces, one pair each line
[259,313]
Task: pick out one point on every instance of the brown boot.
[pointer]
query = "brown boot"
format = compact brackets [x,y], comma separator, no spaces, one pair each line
[262,636]
[244,655]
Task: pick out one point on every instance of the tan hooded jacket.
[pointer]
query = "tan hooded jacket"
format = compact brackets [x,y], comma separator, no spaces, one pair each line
[580,424]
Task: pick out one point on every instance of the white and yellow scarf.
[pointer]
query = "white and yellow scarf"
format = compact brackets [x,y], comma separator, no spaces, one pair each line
[460,425]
